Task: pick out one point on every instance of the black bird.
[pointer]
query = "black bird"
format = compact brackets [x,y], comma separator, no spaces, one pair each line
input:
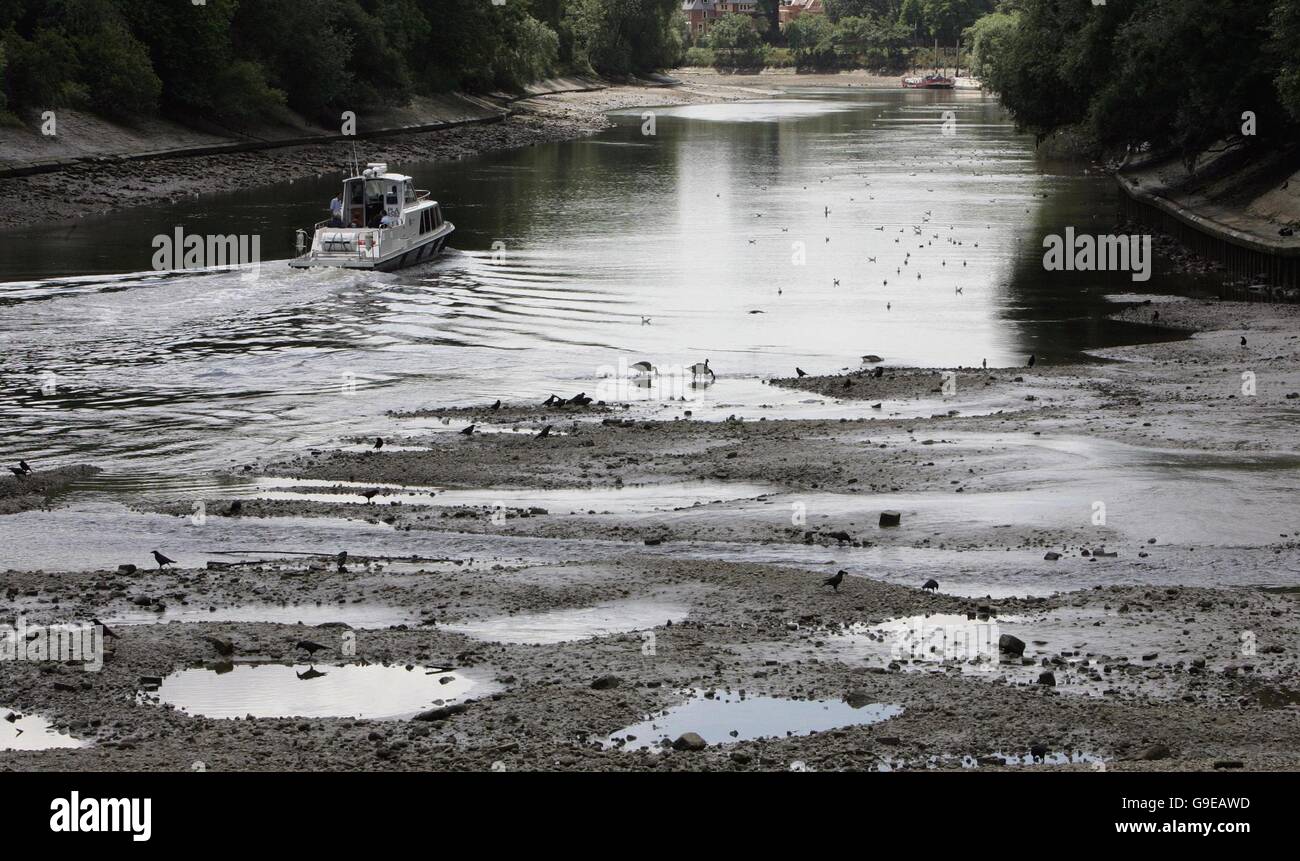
[1243,340]
[878,372]
[932,585]
[225,648]
[236,508]
[309,647]
[1032,359]
[379,443]
[580,399]
[25,468]
[546,431]
[469,431]
[309,674]
[18,472]
[1155,315]
[109,633]
[369,494]
[342,559]
[497,405]
[800,371]
[552,399]
[834,582]
[162,560]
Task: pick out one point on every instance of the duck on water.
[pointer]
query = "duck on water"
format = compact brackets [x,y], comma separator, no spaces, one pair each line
[381,221]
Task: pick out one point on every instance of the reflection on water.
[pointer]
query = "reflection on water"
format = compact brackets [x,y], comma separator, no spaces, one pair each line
[581,623]
[277,690]
[31,732]
[616,247]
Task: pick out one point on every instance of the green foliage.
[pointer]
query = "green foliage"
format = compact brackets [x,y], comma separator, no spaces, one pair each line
[622,36]
[698,56]
[812,42]
[735,43]
[1169,73]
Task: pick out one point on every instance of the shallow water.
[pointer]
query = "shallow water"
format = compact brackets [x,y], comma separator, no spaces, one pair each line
[311,691]
[32,732]
[157,373]
[358,616]
[728,717]
[580,623]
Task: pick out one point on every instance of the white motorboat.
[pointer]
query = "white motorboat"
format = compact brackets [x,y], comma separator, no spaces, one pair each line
[384,223]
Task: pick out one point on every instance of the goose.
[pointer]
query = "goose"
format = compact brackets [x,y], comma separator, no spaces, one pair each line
[699,369]
[645,368]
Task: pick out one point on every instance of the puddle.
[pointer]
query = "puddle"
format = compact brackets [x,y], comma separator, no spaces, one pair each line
[729,717]
[32,732]
[569,625]
[357,616]
[313,691]
[614,500]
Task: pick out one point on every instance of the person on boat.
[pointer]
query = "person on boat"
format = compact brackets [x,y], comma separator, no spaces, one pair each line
[336,212]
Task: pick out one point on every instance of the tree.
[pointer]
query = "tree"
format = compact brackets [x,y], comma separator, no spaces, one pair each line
[735,43]
[812,42]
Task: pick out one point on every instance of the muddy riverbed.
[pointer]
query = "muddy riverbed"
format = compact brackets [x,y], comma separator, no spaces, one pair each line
[1154,632]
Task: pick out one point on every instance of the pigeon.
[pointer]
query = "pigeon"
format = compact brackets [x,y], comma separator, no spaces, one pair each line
[931,585]
[834,582]
[162,560]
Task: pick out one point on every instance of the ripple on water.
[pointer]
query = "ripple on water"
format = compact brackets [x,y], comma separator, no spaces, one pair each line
[721,718]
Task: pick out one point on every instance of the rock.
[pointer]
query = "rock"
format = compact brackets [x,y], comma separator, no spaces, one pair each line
[1150,656]
[606,682]
[1154,752]
[1011,645]
[872,358]
[858,698]
[127,569]
[890,518]
[1047,678]
[689,741]
[1052,556]
[741,758]
[442,713]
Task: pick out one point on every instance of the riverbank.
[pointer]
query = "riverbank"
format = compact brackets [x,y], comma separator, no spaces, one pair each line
[1158,637]
[133,169]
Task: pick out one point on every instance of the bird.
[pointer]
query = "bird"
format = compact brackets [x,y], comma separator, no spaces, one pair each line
[699,369]
[931,585]
[549,401]
[580,399]
[309,674]
[645,321]
[644,367]
[162,560]
[109,633]
[236,508]
[1243,340]
[1032,359]
[469,431]
[835,581]
[878,372]
[1155,315]
[546,431]
[370,494]
[379,443]
[800,371]
[309,647]
[225,648]
[985,362]
[18,472]
[497,405]
[22,464]
[342,560]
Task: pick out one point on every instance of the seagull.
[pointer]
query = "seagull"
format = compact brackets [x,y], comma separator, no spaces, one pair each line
[162,560]
[835,581]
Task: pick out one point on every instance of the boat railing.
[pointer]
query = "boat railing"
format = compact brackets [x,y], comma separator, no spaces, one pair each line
[422,194]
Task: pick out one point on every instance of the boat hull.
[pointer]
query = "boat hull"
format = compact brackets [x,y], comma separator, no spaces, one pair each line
[422,252]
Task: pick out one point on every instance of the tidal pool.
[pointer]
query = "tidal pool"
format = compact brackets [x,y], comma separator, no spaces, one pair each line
[358,690]
[571,624]
[32,732]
